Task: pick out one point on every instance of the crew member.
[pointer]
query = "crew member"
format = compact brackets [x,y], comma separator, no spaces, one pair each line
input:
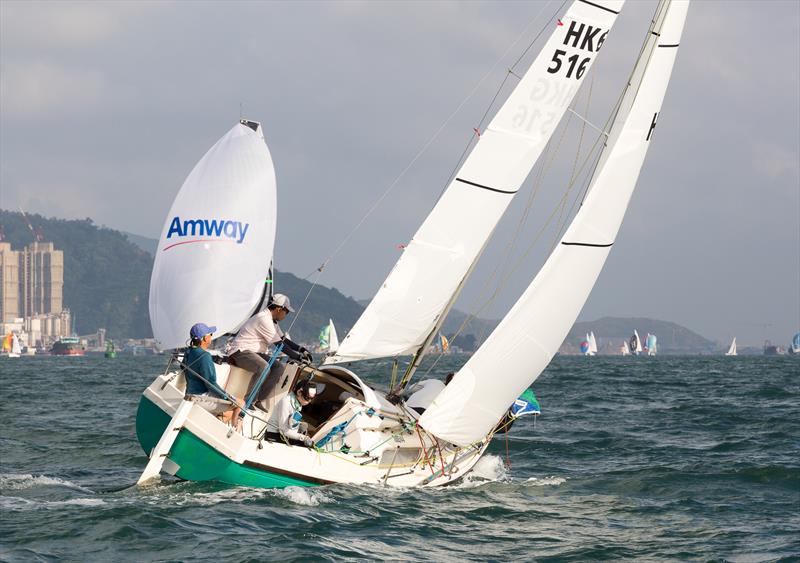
[201,376]
[249,350]
[287,416]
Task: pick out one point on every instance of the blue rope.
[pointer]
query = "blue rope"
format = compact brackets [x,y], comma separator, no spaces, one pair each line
[252,396]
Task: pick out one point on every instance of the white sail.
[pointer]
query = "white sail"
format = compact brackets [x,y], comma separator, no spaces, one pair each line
[732,349]
[625,350]
[527,338]
[15,347]
[214,253]
[333,338]
[637,349]
[592,344]
[426,280]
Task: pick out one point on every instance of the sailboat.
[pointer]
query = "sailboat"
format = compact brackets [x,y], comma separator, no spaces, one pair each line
[589,345]
[624,349]
[794,347]
[635,344]
[11,346]
[328,339]
[359,434]
[651,344]
[732,348]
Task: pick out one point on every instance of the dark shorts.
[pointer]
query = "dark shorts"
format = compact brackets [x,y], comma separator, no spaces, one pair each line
[256,364]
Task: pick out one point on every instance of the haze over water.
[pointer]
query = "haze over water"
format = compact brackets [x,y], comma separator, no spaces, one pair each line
[633,458]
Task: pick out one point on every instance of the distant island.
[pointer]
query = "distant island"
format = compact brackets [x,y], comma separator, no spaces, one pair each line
[107,278]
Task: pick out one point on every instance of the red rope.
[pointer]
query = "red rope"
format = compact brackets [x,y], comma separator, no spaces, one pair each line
[424,451]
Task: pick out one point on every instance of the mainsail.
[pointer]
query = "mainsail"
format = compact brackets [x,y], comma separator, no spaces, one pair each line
[524,342]
[214,254]
[424,283]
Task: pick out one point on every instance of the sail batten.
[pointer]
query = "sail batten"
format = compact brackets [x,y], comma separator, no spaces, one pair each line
[524,342]
[416,295]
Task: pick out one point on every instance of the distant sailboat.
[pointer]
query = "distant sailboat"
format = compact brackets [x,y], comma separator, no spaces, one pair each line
[444,344]
[794,349]
[328,339]
[589,345]
[732,350]
[651,344]
[16,350]
[624,349]
[635,343]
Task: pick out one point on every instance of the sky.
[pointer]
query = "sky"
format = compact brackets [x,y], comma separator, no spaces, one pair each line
[105,107]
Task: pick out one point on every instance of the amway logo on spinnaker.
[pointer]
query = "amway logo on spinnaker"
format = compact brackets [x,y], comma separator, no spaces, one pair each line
[234,231]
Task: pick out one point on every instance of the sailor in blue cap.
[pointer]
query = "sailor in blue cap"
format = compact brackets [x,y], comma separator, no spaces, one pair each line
[201,375]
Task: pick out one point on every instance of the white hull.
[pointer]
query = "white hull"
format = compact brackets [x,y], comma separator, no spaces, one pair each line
[383,447]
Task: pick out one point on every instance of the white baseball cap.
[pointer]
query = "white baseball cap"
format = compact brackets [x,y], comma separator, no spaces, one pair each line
[280,300]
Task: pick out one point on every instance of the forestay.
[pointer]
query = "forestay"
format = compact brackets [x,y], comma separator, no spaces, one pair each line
[215,250]
[428,276]
[527,338]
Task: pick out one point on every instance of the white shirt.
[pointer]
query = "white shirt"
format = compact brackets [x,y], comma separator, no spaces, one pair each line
[258,334]
[423,393]
[283,417]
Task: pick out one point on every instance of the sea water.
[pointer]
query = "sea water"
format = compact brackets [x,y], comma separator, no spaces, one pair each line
[665,458]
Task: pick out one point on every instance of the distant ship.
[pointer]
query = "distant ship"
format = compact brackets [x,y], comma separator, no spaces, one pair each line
[732,350]
[68,346]
[111,350]
[772,350]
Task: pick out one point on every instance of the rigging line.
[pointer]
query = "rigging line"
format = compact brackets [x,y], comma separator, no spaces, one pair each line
[427,145]
[502,84]
[530,247]
[503,270]
[574,174]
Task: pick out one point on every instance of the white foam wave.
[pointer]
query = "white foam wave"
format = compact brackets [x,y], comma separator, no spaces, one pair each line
[16,481]
[191,498]
[76,502]
[545,481]
[489,468]
[17,503]
[306,496]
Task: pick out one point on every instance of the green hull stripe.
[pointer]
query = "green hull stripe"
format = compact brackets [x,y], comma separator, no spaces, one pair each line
[200,462]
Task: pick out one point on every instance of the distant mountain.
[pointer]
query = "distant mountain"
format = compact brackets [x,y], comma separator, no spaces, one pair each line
[612,331]
[149,245]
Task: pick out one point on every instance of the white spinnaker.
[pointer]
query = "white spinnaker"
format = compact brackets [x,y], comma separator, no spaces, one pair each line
[527,338]
[205,273]
[427,277]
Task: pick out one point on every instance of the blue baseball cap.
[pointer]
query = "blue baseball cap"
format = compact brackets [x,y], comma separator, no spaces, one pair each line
[201,329]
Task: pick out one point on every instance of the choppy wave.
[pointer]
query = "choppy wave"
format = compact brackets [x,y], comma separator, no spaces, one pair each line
[672,458]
